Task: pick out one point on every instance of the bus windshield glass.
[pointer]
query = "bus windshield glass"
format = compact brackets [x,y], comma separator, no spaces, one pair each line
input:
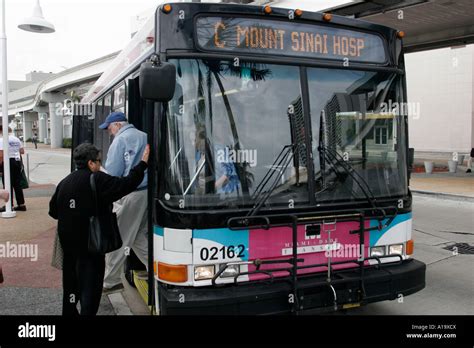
[228,128]
[357,127]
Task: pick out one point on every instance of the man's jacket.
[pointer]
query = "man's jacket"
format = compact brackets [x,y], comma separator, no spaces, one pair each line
[126,151]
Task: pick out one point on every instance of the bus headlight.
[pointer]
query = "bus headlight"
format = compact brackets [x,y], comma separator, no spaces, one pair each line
[204,272]
[377,251]
[396,249]
[231,271]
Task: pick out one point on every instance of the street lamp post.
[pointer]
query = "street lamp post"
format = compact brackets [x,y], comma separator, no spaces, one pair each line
[9,213]
[37,24]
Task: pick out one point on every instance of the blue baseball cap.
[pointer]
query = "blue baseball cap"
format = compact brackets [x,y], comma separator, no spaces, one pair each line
[116,116]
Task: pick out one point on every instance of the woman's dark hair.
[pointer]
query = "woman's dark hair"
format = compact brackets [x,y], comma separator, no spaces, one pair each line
[85,153]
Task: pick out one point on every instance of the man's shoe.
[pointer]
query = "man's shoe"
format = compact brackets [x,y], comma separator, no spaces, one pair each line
[20,208]
[3,209]
[468,171]
[112,289]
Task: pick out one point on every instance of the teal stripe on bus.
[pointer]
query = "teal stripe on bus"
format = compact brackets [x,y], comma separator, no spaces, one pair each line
[159,231]
[376,235]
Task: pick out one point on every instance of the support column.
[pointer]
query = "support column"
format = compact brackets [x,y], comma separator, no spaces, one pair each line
[42,122]
[28,126]
[68,127]
[56,125]
[55,102]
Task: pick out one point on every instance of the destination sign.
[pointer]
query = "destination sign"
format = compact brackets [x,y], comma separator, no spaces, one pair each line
[262,36]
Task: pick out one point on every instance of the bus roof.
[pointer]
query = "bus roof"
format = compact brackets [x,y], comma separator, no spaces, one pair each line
[141,46]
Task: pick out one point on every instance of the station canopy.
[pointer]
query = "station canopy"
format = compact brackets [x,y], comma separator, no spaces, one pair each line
[428,24]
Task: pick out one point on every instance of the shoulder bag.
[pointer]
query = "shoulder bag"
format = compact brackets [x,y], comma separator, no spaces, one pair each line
[104,234]
[58,253]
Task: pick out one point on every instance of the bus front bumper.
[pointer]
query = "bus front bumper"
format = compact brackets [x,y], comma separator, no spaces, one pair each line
[314,295]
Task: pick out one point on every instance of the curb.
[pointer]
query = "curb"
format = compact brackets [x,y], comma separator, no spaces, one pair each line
[443,195]
[119,304]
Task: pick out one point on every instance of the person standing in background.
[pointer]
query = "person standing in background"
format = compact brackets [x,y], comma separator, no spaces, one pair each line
[15,150]
[35,140]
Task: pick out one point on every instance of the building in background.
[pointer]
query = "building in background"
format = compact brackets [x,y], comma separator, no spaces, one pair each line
[44,102]
[442,82]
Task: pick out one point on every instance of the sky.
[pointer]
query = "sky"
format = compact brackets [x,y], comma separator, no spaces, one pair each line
[85,30]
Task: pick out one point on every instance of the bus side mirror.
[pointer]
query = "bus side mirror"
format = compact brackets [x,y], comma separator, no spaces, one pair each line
[157,82]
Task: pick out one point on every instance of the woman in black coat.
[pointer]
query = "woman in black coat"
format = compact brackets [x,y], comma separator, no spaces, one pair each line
[72,204]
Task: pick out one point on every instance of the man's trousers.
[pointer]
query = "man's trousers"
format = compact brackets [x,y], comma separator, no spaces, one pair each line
[132,221]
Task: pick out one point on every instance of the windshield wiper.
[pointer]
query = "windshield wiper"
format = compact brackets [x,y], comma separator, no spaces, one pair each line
[282,161]
[361,182]
[334,158]
[198,171]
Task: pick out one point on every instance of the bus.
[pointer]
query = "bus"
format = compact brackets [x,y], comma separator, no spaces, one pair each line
[280,165]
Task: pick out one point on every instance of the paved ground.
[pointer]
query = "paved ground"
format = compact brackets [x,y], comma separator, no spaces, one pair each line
[449,278]
[47,166]
[34,287]
[459,183]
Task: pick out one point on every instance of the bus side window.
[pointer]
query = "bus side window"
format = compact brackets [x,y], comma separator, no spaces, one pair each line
[106,138]
[136,106]
[99,118]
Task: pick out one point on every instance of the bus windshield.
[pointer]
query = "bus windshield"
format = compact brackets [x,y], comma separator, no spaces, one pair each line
[230,126]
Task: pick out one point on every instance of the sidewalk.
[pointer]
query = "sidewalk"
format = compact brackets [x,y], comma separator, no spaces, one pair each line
[31,147]
[449,185]
[45,165]
[32,286]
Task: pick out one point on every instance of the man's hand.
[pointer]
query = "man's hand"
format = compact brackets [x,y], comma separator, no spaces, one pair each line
[146,154]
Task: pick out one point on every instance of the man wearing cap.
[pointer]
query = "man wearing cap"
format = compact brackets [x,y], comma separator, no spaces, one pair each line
[124,153]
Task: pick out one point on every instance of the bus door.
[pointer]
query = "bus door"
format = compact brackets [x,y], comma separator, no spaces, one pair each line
[82,127]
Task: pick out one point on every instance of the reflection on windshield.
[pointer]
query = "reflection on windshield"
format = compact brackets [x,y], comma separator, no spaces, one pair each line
[226,126]
[350,121]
